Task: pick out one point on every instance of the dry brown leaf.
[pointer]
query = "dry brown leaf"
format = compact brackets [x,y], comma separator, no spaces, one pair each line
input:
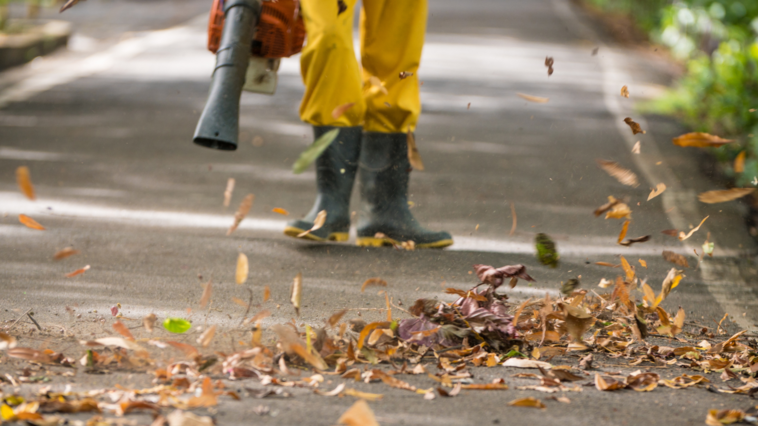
[123,330]
[266,293]
[185,418]
[636,148]
[392,381]
[634,126]
[625,176]
[619,211]
[228,192]
[624,228]
[242,211]
[207,399]
[700,140]
[359,414]
[683,236]
[628,269]
[292,344]
[240,275]
[643,263]
[375,82]
[530,98]
[281,211]
[336,317]
[64,253]
[206,337]
[670,232]
[78,271]
[363,395]
[318,222]
[549,64]
[30,223]
[9,342]
[718,417]
[624,91]
[205,298]
[675,258]
[612,201]
[376,281]
[24,181]
[526,363]
[607,385]
[297,292]
[405,74]
[530,402]
[485,386]
[149,322]
[631,241]
[513,214]
[722,196]
[341,109]
[657,191]
[739,162]
[413,155]
[189,350]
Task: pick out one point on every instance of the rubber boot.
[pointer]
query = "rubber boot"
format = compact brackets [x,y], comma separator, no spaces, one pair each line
[385,217]
[335,174]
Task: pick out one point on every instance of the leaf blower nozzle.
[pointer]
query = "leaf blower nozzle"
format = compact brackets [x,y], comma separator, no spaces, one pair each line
[218,126]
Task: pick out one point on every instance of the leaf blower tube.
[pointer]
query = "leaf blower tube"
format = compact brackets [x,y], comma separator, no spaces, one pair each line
[218,127]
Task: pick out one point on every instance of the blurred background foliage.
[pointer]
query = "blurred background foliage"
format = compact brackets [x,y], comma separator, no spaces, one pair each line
[718,42]
[32,11]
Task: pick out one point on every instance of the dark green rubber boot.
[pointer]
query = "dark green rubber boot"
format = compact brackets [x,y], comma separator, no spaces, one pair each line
[385,217]
[335,174]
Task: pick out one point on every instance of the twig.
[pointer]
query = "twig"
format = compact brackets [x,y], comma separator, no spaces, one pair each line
[18,319]
[34,321]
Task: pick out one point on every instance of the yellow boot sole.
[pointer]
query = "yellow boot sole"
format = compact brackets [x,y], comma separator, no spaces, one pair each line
[379,242]
[292,231]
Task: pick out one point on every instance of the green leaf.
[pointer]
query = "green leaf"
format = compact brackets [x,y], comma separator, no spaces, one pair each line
[513,353]
[546,252]
[314,151]
[176,325]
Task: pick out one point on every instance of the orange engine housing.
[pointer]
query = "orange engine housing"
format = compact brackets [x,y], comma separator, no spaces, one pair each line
[280,32]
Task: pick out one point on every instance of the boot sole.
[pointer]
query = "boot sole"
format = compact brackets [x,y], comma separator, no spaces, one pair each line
[292,231]
[379,242]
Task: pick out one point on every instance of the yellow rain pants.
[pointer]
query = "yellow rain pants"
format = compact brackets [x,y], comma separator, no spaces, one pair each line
[392,36]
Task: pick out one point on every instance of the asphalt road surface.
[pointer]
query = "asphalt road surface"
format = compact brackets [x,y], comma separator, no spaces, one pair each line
[106,129]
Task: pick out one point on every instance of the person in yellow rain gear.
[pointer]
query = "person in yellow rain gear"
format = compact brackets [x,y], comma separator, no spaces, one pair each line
[373,132]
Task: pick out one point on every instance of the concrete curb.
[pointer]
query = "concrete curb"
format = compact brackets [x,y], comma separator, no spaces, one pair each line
[44,38]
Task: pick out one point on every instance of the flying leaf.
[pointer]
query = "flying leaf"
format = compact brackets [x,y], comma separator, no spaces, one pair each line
[24,181]
[549,64]
[336,317]
[634,126]
[266,293]
[721,196]
[205,298]
[78,271]
[739,162]
[359,414]
[297,292]
[242,210]
[670,232]
[405,74]
[657,191]
[675,258]
[149,322]
[123,330]
[317,223]
[205,339]
[376,281]
[341,109]
[628,269]
[228,192]
[363,395]
[64,253]
[293,345]
[636,148]
[30,223]
[314,151]
[546,251]
[281,211]
[413,156]
[700,140]
[683,236]
[240,275]
[513,214]
[176,325]
[643,263]
[624,228]
[631,241]
[69,4]
[612,201]
[376,85]
[530,98]
[619,211]
[530,402]
[625,176]
[624,91]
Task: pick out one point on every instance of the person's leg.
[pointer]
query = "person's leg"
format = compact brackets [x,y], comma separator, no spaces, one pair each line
[332,78]
[392,36]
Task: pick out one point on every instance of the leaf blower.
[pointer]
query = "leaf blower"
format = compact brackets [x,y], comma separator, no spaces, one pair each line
[248,37]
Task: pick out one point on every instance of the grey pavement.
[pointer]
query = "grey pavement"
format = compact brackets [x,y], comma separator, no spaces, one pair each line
[106,131]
